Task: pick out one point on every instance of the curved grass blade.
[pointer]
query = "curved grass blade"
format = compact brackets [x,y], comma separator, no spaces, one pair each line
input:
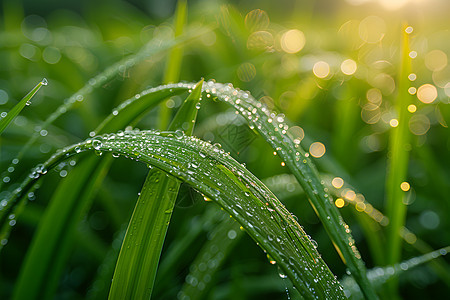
[131,109]
[4,122]
[173,67]
[273,129]
[214,173]
[138,260]
[379,276]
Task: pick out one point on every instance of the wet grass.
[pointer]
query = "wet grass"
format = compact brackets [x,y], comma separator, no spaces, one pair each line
[137,201]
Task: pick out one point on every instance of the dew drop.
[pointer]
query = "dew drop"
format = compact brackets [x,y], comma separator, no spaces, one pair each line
[44,81]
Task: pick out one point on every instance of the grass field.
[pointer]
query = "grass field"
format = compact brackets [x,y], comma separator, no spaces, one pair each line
[225,150]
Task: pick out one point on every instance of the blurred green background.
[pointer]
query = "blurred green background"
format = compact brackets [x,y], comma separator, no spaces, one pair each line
[331,67]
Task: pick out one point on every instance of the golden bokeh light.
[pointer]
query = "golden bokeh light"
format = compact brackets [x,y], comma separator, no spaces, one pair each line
[412,108]
[349,66]
[317,149]
[436,60]
[405,186]
[427,93]
[339,202]
[393,122]
[337,182]
[412,90]
[321,69]
[349,194]
[292,41]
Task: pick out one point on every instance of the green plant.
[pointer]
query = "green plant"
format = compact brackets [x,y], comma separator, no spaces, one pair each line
[175,162]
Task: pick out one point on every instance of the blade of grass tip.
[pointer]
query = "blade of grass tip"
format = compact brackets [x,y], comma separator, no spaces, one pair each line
[129,111]
[6,120]
[173,67]
[380,275]
[399,145]
[153,47]
[138,260]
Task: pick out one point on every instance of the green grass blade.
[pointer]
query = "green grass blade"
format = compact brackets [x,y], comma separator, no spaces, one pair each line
[224,180]
[398,163]
[187,114]
[138,259]
[273,129]
[131,110]
[137,265]
[173,67]
[380,275]
[51,245]
[4,122]
[152,48]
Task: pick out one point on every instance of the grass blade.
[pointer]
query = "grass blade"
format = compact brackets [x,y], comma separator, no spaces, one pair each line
[221,178]
[173,66]
[44,262]
[131,110]
[138,258]
[4,122]
[398,164]
[273,129]
[136,267]
[379,276]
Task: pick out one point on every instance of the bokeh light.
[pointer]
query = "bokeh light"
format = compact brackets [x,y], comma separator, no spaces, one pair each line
[321,69]
[292,41]
[404,186]
[337,182]
[317,149]
[427,93]
[349,66]
[339,202]
[393,122]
